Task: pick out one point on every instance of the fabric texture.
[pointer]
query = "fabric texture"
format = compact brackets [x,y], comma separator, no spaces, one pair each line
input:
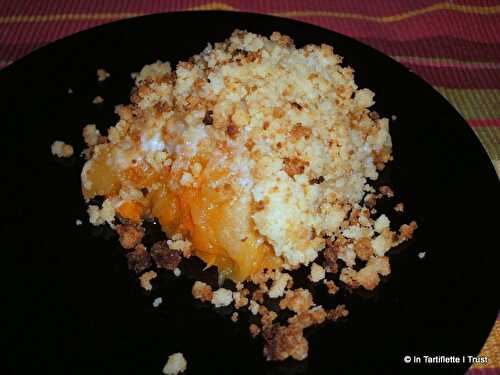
[455,46]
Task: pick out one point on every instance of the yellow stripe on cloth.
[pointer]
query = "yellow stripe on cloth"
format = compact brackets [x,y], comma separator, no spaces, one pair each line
[474,103]
[468,9]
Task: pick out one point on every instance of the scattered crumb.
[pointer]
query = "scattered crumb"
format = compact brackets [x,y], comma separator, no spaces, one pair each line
[91,135]
[139,259]
[105,214]
[314,316]
[129,235]
[331,286]
[240,298]
[202,291]
[234,317]
[282,342]
[157,301]
[406,231]
[386,191]
[70,91]
[61,149]
[267,316]
[338,312]
[299,300]
[254,307]
[177,272]
[184,246]
[317,273]
[254,330]
[394,117]
[78,222]
[102,75]
[421,255]
[175,365]
[399,207]
[146,278]
[279,285]
[97,100]
[222,297]
[164,256]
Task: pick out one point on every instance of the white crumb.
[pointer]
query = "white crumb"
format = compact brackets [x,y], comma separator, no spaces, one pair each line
[175,365]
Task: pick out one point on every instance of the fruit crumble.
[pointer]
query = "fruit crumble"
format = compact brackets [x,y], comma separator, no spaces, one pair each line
[256,157]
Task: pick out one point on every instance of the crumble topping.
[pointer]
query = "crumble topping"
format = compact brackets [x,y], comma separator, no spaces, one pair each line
[255,156]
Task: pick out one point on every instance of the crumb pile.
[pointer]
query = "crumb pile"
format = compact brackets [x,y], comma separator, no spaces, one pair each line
[254,156]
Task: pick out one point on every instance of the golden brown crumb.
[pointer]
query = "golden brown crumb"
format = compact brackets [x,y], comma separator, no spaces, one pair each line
[294,166]
[61,149]
[240,298]
[368,276]
[97,100]
[299,132]
[254,330]
[406,231]
[102,75]
[399,207]
[332,287]
[130,235]
[363,248]
[267,316]
[330,256]
[386,191]
[283,342]
[202,291]
[146,278]
[338,312]
[314,316]
[299,300]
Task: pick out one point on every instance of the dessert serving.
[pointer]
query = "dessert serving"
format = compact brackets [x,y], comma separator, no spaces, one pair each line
[254,156]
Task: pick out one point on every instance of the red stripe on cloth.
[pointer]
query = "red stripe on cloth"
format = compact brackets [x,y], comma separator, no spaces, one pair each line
[444,47]
[373,8]
[494,122]
[458,78]
[476,28]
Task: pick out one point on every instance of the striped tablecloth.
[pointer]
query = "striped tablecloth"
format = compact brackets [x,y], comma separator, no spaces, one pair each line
[455,46]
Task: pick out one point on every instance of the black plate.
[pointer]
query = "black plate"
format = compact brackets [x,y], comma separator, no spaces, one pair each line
[74,307]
